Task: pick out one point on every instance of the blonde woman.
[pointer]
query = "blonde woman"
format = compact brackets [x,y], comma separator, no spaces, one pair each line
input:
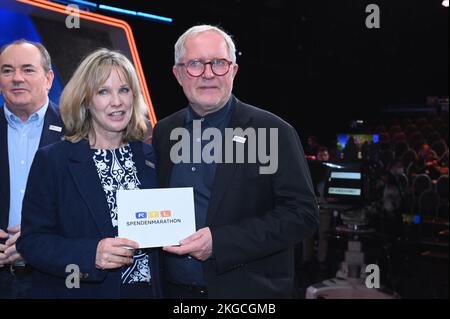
[69,209]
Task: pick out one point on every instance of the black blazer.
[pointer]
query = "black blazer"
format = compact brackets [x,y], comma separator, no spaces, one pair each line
[65,215]
[255,219]
[48,136]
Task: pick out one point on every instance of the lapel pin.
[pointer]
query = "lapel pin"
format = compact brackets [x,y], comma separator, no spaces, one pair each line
[149,164]
[55,128]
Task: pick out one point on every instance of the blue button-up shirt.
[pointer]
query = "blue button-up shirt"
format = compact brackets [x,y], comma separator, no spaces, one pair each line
[23,142]
[200,176]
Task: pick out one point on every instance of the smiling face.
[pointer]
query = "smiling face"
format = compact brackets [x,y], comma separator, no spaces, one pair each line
[23,81]
[111,109]
[208,92]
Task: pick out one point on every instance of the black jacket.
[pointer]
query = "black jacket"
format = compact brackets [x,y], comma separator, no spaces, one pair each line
[255,219]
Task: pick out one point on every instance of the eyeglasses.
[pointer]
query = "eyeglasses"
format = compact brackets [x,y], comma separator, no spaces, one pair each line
[196,68]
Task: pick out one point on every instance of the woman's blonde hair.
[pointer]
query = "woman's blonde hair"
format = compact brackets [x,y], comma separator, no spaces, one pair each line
[90,75]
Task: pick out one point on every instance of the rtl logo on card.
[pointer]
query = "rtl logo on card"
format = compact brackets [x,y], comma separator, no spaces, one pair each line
[153,214]
[166,213]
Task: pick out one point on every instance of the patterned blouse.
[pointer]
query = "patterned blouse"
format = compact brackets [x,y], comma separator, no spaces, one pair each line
[116,170]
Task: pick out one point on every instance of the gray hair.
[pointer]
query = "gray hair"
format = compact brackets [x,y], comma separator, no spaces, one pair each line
[180,49]
[45,56]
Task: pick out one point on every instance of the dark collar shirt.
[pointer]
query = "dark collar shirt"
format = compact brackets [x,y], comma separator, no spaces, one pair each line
[200,176]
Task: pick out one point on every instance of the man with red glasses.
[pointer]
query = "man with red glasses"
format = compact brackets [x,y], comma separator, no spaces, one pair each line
[248,220]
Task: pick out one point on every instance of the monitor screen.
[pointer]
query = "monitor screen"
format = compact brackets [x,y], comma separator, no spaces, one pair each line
[345,182]
[359,139]
[355,146]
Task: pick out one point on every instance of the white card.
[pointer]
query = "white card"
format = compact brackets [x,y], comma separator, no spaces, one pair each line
[156,217]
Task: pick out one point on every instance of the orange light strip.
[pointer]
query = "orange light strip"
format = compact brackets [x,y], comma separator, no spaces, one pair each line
[56,7]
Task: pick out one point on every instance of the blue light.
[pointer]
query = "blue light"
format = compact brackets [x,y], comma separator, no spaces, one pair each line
[376,138]
[154,17]
[21,26]
[86,3]
[102,6]
[118,10]
[134,13]
[416,219]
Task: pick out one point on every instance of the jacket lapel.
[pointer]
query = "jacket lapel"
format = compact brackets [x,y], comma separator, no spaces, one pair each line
[165,162]
[225,172]
[53,126]
[82,169]
[144,172]
[4,172]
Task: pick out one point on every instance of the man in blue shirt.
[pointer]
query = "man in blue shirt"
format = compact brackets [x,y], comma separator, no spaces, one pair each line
[28,120]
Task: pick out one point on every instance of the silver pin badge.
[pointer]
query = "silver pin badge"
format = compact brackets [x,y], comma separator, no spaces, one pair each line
[149,164]
[55,128]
